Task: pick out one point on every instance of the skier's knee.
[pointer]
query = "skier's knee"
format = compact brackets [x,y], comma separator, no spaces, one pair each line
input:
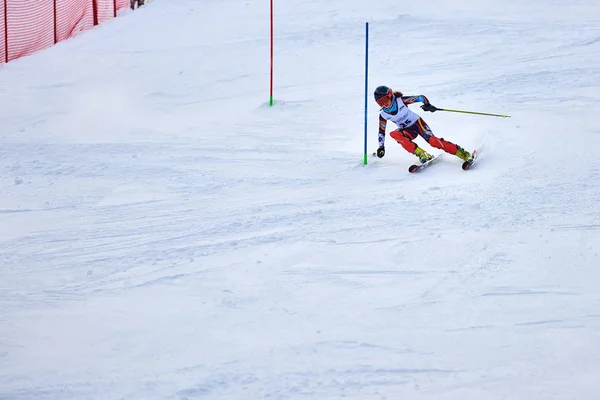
[397,136]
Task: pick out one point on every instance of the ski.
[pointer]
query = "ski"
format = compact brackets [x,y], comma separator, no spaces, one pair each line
[417,167]
[467,164]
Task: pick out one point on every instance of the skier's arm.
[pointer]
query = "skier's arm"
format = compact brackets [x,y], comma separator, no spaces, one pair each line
[381,137]
[382,125]
[415,99]
[427,106]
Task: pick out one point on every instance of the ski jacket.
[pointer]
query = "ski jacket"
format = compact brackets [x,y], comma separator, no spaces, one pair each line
[400,114]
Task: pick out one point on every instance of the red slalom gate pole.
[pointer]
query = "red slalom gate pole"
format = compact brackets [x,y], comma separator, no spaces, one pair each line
[5,31]
[55,24]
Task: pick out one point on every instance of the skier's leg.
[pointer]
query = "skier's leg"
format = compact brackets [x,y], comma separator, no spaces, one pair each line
[440,143]
[405,138]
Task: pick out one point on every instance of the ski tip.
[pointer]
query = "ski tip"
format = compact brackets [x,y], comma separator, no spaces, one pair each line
[413,168]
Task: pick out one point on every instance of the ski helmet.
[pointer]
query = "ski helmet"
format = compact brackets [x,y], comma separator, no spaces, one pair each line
[383,96]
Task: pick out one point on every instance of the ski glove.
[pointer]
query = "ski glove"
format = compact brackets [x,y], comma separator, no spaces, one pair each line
[381,151]
[429,107]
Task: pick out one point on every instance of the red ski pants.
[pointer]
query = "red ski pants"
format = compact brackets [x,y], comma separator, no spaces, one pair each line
[406,136]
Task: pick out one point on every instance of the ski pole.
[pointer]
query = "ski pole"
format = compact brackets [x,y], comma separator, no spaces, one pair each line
[473,112]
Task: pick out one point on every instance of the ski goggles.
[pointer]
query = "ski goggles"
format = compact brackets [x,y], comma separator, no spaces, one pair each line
[385,101]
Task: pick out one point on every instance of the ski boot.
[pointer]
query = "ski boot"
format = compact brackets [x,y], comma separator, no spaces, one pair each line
[462,154]
[423,155]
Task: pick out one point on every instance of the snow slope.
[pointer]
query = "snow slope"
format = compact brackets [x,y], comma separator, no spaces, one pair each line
[195,243]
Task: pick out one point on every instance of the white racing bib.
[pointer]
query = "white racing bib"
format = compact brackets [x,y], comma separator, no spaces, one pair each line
[403,118]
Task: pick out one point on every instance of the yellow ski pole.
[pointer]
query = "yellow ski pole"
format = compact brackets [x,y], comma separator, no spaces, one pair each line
[473,112]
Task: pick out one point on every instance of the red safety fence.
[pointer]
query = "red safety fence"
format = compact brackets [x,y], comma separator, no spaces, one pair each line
[72,17]
[2,32]
[27,26]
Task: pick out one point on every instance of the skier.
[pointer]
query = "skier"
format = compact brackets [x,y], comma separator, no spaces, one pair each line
[138,2]
[394,107]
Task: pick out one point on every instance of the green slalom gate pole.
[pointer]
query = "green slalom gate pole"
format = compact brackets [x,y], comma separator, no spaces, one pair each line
[473,112]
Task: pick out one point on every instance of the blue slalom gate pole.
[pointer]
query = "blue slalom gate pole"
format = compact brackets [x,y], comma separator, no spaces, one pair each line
[366,84]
